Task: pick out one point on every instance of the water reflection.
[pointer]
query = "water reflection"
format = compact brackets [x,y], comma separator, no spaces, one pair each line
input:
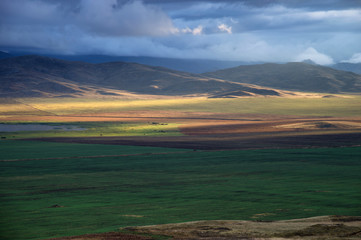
[37,127]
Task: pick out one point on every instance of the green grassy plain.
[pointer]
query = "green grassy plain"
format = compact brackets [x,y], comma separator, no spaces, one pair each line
[119,186]
[107,192]
[96,129]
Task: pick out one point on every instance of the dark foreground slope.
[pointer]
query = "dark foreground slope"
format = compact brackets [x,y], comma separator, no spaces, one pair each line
[325,227]
[293,76]
[322,228]
[35,76]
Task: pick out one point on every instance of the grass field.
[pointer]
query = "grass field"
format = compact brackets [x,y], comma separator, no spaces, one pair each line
[96,129]
[158,117]
[58,189]
[98,194]
[337,106]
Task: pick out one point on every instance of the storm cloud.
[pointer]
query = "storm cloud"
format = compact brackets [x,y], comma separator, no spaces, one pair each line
[258,30]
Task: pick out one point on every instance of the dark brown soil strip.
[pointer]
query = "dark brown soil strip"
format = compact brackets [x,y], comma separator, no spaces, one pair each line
[225,142]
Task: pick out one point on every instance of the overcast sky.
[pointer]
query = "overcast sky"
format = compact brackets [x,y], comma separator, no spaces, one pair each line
[325,31]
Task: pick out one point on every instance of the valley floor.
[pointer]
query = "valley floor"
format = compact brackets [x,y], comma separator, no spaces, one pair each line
[229,131]
[194,123]
[143,162]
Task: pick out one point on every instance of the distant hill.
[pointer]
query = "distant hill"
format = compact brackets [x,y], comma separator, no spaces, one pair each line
[36,76]
[351,67]
[184,65]
[293,76]
[4,55]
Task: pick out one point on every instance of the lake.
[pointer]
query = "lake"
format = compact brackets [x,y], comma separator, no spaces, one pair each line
[37,127]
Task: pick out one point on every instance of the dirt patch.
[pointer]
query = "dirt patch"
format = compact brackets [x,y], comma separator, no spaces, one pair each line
[337,218]
[255,216]
[321,228]
[329,230]
[105,236]
[324,227]
[56,206]
[322,125]
[133,216]
[220,131]
[267,125]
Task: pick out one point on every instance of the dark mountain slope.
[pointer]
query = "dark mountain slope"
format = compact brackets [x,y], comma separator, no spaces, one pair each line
[293,76]
[33,76]
[351,67]
[4,55]
[41,76]
[184,65]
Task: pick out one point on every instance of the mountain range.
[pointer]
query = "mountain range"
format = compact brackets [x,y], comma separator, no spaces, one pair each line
[38,76]
[293,76]
[184,65]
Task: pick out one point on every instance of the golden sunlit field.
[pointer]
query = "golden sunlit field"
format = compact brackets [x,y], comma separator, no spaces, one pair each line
[187,116]
[339,105]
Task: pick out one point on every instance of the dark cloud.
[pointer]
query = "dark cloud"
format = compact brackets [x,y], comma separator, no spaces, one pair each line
[248,30]
[106,17]
[133,18]
[309,4]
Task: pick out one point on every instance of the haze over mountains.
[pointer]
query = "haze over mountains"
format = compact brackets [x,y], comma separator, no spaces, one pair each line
[351,67]
[184,65]
[37,76]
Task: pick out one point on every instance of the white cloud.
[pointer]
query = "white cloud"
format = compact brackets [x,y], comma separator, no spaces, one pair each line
[317,57]
[195,31]
[356,58]
[352,14]
[224,28]
[198,30]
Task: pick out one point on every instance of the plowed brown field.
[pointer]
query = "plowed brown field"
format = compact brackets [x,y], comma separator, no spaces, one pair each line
[216,131]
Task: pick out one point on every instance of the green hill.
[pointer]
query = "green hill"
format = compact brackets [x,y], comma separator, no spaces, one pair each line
[293,76]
